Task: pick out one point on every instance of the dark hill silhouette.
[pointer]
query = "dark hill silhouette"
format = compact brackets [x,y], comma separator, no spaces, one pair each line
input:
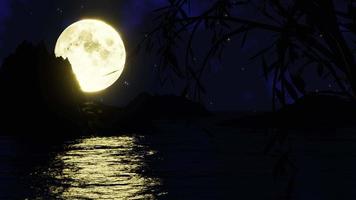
[39,93]
[146,106]
[311,111]
[142,111]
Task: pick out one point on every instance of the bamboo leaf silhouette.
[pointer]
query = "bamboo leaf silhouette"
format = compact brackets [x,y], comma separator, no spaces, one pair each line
[185,91]
[291,90]
[281,97]
[265,68]
[302,36]
[299,82]
[110,73]
[243,42]
[320,69]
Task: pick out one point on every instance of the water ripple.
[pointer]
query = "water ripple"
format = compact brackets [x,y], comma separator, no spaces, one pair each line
[103,168]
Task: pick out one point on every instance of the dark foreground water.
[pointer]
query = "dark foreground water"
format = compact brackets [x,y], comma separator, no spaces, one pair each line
[179,162]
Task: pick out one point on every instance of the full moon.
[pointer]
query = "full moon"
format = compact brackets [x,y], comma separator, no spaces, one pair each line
[95,51]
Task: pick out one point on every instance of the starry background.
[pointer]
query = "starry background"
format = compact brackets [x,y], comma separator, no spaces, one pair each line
[236,84]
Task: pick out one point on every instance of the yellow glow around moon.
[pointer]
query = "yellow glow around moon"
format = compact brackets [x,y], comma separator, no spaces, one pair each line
[96,52]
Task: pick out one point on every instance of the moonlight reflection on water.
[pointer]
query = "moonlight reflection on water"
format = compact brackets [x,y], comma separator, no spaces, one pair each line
[103,168]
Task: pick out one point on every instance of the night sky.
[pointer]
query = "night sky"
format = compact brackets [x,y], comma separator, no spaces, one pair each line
[235,84]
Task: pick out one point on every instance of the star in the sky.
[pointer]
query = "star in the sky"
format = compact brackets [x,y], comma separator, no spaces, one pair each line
[60,11]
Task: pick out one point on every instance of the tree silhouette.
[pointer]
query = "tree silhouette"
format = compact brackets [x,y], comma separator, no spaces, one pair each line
[306,33]
[38,90]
